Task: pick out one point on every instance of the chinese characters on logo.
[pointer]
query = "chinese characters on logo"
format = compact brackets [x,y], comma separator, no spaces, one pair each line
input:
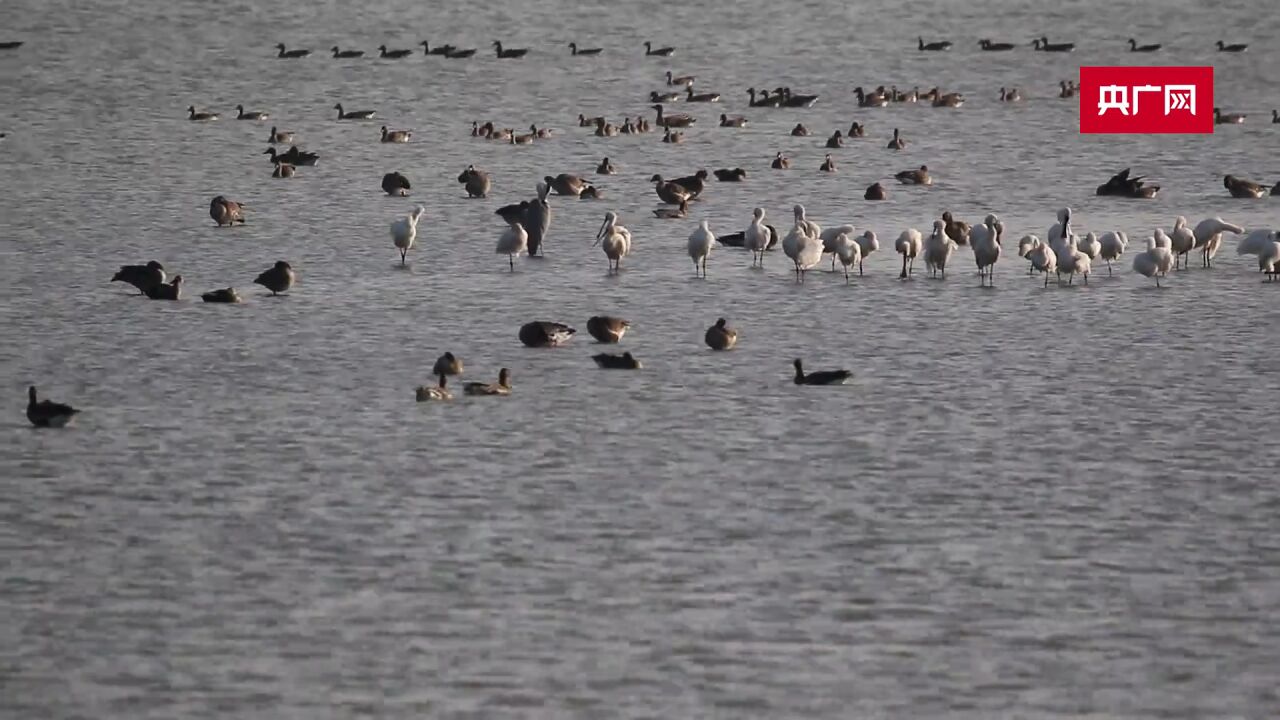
[1146,100]
[1116,97]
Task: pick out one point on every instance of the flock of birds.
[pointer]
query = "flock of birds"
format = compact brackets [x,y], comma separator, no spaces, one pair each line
[806,244]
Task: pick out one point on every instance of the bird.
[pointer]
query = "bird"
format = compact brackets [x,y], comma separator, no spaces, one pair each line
[194,116]
[171,290]
[1072,262]
[280,137]
[393,183]
[1241,188]
[849,252]
[607,329]
[354,114]
[536,219]
[225,295]
[666,97]
[475,182]
[1010,95]
[1121,185]
[1135,47]
[615,240]
[670,137]
[686,80]
[989,46]
[10,44]
[937,249]
[282,53]
[691,96]
[1221,118]
[606,168]
[575,50]
[720,336]
[1256,241]
[669,192]
[142,277]
[346,54]
[459,54]
[867,244]
[780,162]
[1113,244]
[447,364]
[293,156]
[919,176]
[875,191]
[395,136]
[610,361]
[278,278]
[437,50]
[508,53]
[873,99]
[678,213]
[591,193]
[513,241]
[957,230]
[985,241]
[1208,234]
[822,377]
[756,238]
[502,387]
[672,120]
[856,130]
[828,165]
[1234,47]
[1275,116]
[734,175]
[804,249]
[1044,45]
[736,122]
[47,413]
[830,237]
[284,170]
[544,333]
[908,245]
[566,184]
[700,243]
[226,212]
[383,52]
[405,230]
[1183,240]
[428,393]
[896,143]
[1043,259]
[661,52]
[1155,261]
[940,45]
[242,115]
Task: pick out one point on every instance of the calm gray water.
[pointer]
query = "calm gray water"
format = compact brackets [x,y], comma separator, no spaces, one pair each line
[1030,503]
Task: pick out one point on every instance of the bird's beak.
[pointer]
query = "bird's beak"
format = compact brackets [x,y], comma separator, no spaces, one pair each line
[600,233]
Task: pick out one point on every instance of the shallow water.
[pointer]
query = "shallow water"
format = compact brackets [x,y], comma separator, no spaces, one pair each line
[1029,502]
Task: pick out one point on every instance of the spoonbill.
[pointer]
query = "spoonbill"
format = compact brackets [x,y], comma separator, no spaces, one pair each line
[700,242]
[405,230]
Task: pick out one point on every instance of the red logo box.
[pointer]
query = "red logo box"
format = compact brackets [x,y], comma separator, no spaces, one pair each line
[1146,100]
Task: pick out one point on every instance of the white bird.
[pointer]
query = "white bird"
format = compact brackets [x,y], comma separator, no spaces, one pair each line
[1256,241]
[867,243]
[1026,244]
[1089,245]
[615,240]
[805,250]
[512,242]
[1184,241]
[849,251]
[938,248]
[1073,262]
[1155,261]
[756,237]
[810,227]
[700,242]
[1162,239]
[1059,231]
[1043,259]
[1269,260]
[1113,244]
[405,230]
[985,241]
[829,237]
[1208,234]
[908,245]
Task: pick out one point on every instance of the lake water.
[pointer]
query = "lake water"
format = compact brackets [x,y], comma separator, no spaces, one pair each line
[1029,503]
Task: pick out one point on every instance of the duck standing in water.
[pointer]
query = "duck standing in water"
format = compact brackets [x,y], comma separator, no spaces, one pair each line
[278,278]
[226,212]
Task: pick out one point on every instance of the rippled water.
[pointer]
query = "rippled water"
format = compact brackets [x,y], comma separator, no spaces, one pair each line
[1029,503]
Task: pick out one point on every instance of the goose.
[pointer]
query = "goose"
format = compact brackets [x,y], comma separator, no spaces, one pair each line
[47,413]
[1183,239]
[1241,188]
[908,245]
[757,238]
[720,336]
[657,97]
[669,192]
[793,100]
[225,295]
[280,137]
[677,120]
[517,139]
[437,50]
[354,114]
[670,137]
[828,165]
[836,140]
[822,377]
[780,162]
[604,129]
[1043,259]
[282,53]
[242,115]
[278,278]
[460,54]
[11,44]
[544,333]
[591,193]
[194,116]
[1256,241]
[989,46]
[1010,95]
[607,329]
[605,168]
[937,250]
[799,130]
[628,127]
[475,182]
[940,45]
[293,156]
[953,100]
[685,80]
[226,212]
[870,99]
[513,241]
[1113,244]
[661,52]
[1275,116]
[765,99]
[393,183]
[673,213]
[691,96]
[1234,47]
[1154,262]
[502,387]
[384,53]
[427,393]
[346,54]
[566,184]
[1135,47]
[447,364]
[875,191]
[514,211]
[405,230]
[915,177]
[610,361]
[508,53]
[699,246]
[537,218]
[957,230]
[856,130]
[1221,118]
[1044,45]
[985,241]
[849,253]
[284,170]
[1275,189]
[615,240]
[804,250]
[1121,185]
[171,290]
[395,136]
[734,175]
[736,122]
[142,277]
[1067,89]
[897,143]
[575,51]
[540,133]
